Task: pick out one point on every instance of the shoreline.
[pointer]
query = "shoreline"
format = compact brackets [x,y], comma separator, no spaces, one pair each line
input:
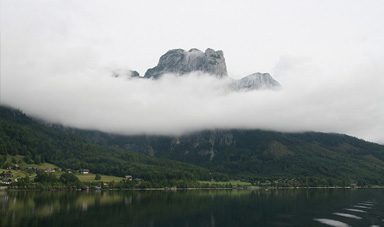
[250,188]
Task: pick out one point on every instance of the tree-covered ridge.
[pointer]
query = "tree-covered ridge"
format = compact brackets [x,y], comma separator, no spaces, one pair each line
[289,158]
[21,135]
[257,154]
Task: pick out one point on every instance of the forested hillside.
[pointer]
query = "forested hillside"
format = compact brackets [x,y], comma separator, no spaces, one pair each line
[257,154]
[20,135]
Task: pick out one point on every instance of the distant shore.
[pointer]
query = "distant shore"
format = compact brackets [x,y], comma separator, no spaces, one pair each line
[249,188]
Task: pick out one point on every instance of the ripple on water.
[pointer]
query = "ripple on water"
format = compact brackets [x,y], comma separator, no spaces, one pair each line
[331,222]
[356,210]
[364,207]
[366,204]
[347,215]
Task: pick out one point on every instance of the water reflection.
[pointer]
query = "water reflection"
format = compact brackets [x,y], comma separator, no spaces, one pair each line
[192,208]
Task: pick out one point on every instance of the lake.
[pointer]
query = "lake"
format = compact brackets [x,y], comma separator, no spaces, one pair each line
[291,207]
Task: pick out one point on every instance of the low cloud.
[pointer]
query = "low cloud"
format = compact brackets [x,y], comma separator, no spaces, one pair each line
[173,105]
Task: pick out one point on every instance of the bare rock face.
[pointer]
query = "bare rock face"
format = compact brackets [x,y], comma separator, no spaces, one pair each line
[256,81]
[180,62]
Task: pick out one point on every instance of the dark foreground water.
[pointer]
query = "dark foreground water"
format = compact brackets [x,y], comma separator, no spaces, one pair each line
[312,207]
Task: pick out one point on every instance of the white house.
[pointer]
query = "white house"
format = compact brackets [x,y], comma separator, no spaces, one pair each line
[84,171]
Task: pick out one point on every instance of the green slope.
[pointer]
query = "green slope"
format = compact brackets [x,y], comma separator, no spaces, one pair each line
[20,135]
[261,154]
[318,158]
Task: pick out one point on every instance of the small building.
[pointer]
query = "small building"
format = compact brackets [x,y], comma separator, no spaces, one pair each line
[50,170]
[8,174]
[69,171]
[128,177]
[16,167]
[6,181]
[84,171]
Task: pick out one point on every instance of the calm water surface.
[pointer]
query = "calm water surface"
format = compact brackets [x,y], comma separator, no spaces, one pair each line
[304,207]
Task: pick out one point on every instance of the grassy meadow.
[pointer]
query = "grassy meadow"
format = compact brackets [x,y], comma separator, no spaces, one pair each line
[23,172]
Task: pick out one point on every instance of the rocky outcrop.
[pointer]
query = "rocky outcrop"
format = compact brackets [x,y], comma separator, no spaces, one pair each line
[211,62]
[180,62]
[256,81]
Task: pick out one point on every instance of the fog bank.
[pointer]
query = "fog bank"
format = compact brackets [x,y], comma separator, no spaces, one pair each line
[172,105]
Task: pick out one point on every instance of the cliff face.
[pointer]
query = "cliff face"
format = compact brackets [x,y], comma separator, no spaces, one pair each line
[180,62]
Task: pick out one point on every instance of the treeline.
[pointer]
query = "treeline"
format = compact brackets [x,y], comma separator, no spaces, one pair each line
[69,181]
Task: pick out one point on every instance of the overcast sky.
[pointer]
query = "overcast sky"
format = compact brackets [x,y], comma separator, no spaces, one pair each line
[57,57]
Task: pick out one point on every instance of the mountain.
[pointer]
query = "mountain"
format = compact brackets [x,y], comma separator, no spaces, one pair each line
[180,62]
[256,81]
[264,154]
[21,135]
[212,62]
[310,158]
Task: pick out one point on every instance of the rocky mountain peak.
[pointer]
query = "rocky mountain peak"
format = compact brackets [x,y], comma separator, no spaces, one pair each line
[179,61]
